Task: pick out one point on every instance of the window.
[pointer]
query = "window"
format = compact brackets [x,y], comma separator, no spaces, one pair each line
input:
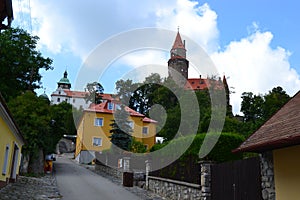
[73,100]
[97,141]
[118,107]
[131,124]
[98,122]
[5,160]
[110,106]
[145,130]
[58,99]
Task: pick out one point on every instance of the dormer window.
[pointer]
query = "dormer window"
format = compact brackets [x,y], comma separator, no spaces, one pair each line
[110,106]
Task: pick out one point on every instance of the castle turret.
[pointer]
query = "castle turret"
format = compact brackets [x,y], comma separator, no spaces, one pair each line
[178,61]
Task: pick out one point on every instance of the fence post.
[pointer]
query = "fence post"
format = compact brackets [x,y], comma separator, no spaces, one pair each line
[148,169]
[205,180]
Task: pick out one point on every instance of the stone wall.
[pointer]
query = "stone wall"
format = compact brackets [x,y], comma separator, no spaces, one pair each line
[267,176]
[118,173]
[173,189]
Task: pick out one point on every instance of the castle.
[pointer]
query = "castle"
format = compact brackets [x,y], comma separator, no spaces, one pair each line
[178,67]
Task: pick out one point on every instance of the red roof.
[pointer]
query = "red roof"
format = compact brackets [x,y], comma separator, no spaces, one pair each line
[281,130]
[202,84]
[178,42]
[103,108]
[81,94]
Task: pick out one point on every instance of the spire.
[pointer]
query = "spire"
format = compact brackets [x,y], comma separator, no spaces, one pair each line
[66,74]
[178,44]
[178,48]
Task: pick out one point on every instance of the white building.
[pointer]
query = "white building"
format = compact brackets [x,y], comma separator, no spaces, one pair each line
[75,98]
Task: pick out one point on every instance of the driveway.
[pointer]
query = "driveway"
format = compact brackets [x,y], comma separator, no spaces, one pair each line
[76,182]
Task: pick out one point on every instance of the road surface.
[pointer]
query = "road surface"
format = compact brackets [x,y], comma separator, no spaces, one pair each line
[78,183]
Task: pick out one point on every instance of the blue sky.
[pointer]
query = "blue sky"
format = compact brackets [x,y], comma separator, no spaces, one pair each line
[253,42]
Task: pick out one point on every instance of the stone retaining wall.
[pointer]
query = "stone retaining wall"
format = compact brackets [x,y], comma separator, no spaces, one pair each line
[118,173]
[173,189]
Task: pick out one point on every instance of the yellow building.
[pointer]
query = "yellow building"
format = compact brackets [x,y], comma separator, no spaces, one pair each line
[94,128]
[11,142]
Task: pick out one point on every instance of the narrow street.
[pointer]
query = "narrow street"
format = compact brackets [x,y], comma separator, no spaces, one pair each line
[76,182]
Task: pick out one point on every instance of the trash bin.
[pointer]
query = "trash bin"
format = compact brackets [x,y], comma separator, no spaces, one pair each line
[128,179]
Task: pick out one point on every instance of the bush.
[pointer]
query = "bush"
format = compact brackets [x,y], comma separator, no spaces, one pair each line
[220,153]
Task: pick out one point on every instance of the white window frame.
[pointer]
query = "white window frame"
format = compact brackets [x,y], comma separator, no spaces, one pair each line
[146,128]
[5,163]
[96,121]
[95,141]
[110,106]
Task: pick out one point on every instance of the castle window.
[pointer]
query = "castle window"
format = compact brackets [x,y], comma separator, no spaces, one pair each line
[193,82]
[98,121]
[73,100]
[58,99]
[97,141]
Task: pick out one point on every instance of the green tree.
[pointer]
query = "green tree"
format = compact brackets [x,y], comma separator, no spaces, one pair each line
[20,63]
[252,107]
[121,129]
[137,146]
[95,90]
[273,101]
[32,116]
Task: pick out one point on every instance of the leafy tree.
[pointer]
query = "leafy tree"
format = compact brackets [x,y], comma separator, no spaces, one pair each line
[121,130]
[32,116]
[252,106]
[20,63]
[95,90]
[137,146]
[125,91]
[273,101]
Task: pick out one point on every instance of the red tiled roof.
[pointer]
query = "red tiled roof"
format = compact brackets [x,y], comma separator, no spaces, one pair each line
[146,119]
[201,84]
[178,44]
[81,94]
[281,130]
[102,108]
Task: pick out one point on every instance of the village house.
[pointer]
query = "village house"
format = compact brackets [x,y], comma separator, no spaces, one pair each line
[11,142]
[278,142]
[94,128]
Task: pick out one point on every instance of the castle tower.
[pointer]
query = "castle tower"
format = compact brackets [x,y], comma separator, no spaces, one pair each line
[64,82]
[178,61]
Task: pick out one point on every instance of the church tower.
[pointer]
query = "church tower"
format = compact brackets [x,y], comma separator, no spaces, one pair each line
[178,61]
[64,82]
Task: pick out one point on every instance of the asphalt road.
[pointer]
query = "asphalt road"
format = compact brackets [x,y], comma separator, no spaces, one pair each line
[78,183]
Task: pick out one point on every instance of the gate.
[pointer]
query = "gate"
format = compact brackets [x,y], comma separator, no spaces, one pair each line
[238,180]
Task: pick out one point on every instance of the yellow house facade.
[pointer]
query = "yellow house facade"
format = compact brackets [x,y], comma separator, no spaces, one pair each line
[11,142]
[93,131]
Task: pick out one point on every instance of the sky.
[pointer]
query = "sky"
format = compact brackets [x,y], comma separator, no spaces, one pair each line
[254,43]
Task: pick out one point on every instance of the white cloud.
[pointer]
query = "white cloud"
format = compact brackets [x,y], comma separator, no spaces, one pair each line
[254,66]
[251,62]
[198,22]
